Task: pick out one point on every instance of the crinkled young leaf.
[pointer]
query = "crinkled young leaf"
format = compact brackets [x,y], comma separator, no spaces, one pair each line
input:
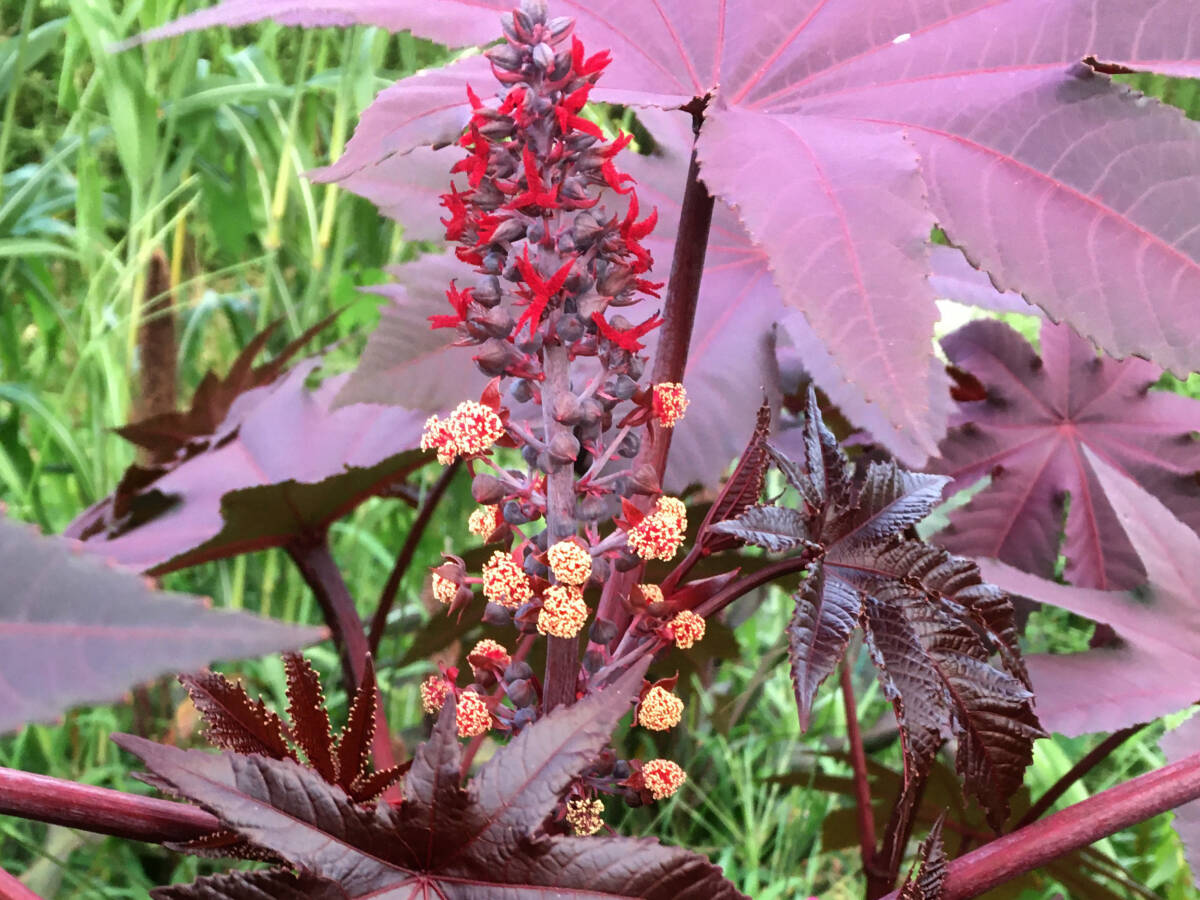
[1154,667]
[742,489]
[826,613]
[1029,433]
[255,488]
[774,528]
[73,630]
[460,844]
[931,869]
[931,623]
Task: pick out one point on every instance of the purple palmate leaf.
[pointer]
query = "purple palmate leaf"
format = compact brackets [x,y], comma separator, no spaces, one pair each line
[289,468]
[954,278]
[1154,667]
[1066,187]
[73,630]
[1026,423]
[1177,744]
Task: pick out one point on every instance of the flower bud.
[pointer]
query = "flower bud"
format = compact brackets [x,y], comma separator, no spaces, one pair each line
[567,408]
[603,631]
[495,614]
[535,568]
[514,513]
[521,693]
[562,66]
[593,508]
[543,57]
[586,229]
[559,27]
[523,25]
[644,480]
[564,448]
[625,561]
[487,489]
[517,670]
[569,328]
[623,387]
[520,390]
[494,358]
[511,229]
[497,130]
[487,292]
[630,444]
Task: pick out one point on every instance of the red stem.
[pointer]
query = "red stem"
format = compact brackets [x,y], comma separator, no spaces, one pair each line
[104,811]
[317,566]
[405,557]
[1071,829]
[858,760]
[562,654]
[683,293]
[1097,754]
[743,586]
[12,889]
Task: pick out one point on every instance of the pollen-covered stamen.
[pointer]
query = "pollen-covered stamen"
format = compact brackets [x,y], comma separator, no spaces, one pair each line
[570,563]
[563,612]
[584,816]
[504,582]
[670,403]
[687,627]
[437,436]
[475,428]
[662,778]
[444,590]
[434,691]
[659,709]
[651,592]
[490,653]
[471,715]
[659,535]
[484,521]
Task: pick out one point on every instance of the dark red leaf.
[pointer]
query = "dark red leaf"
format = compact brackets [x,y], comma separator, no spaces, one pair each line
[310,720]
[73,630]
[826,614]
[269,884]
[482,841]
[232,721]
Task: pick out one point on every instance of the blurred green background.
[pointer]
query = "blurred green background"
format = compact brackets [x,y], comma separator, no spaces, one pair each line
[194,148]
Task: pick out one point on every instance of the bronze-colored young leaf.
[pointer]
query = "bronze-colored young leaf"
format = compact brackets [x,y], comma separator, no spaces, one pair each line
[930,622]
[444,840]
[926,883]
[232,721]
[743,488]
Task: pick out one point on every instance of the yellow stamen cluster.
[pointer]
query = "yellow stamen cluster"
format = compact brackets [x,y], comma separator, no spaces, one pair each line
[584,816]
[659,535]
[670,403]
[471,715]
[688,627]
[563,611]
[484,521]
[504,582]
[659,709]
[570,563]
[652,592]
[470,430]
[434,691]
[662,778]
[444,590]
[489,649]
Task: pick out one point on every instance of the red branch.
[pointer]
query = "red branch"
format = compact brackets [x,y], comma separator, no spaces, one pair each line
[858,759]
[1071,829]
[12,889]
[104,811]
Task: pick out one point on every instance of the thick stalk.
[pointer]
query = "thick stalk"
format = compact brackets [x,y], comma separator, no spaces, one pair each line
[58,802]
[743,586]
[1071,829]
[562,654]
[317,566]
[12,889]
[858,761]
[683,292]
[1098,754]
[405,557]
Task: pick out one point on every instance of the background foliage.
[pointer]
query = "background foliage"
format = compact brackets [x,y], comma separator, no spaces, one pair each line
[193,147]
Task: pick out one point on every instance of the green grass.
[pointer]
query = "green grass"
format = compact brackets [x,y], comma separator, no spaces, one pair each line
[193,147]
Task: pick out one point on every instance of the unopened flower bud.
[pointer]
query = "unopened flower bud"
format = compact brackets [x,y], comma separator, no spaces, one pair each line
[630,444]
[559,27]
[603,631]
[534,568]
[644,480]
[497,130]
[487,292]
[622,387]
[494,357]
[495,614]
[514,513]
[562,65]
[487,489]
[564,448]
[520,390]
[593,508]
[566,408]
[521,692]
[531,345]
[586,228]
[569,328]
[516,670]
